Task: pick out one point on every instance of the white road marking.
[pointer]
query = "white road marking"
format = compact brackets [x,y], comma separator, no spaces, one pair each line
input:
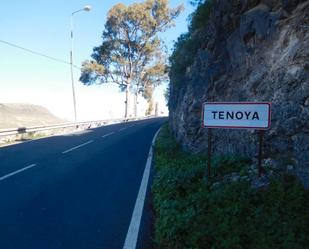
[76,147]
[132,235]
[108,134]
[122,129]
[16,172]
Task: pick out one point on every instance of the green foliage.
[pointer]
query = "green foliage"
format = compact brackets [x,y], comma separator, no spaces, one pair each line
[196,2]
[200,17]
[183,55]
[228,164]
[188,44]
[90,70]
[190,215]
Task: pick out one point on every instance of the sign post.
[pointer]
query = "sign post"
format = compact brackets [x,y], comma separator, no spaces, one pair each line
[237,115]
[209,153]
[260,168]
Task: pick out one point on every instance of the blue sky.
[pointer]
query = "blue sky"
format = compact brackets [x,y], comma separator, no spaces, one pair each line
[44,26]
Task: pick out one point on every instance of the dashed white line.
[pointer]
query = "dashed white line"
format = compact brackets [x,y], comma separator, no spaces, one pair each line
[132,235]
[108,134]
[16,172]
[122,129]
[76,147]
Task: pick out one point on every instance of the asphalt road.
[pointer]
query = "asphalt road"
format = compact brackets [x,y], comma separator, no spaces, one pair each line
[74,191]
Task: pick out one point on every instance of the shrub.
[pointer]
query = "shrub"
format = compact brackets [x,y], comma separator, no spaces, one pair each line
[190,215]
[189,43]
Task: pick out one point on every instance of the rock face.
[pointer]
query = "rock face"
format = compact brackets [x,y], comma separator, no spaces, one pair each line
[252,51]
[24,115]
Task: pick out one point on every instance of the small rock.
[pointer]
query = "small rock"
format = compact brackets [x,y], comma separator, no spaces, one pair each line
[260,182]
[290,168]
[235,178]
[270,163]
[245,178]
[215,185]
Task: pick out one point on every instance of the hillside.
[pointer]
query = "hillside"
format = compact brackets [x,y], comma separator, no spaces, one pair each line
[253,50]
[23,115]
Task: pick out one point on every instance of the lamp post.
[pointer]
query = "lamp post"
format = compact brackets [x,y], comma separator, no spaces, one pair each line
[86,8]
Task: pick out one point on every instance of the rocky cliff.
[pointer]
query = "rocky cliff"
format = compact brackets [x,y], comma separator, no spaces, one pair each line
[246,50]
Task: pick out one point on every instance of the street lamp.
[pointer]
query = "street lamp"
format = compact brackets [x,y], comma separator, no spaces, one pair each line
[86,8]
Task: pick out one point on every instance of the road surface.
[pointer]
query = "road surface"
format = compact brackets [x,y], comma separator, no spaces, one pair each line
[74,191]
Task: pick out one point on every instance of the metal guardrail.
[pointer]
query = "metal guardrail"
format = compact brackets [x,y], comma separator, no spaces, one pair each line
[88,124]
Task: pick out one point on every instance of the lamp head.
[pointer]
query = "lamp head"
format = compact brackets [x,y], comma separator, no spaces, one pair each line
[87,8]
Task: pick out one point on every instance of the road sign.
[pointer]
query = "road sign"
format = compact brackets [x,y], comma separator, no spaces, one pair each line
[237,115]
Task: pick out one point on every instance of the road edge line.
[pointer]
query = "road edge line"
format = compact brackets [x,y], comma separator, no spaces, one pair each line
[132,234]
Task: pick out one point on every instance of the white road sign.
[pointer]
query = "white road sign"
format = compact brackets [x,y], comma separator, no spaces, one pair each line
[230,115]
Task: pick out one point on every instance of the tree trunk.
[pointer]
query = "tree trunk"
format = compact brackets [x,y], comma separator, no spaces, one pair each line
[150,107]
[127,102]
[135,105]
[157,109]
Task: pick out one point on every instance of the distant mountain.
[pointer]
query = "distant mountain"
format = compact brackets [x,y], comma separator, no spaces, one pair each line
[25,115]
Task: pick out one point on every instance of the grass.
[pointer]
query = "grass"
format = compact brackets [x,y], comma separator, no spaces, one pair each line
[23,138]
[189,214]
[32,136]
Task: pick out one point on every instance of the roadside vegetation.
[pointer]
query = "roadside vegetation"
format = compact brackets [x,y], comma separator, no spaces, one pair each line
[188,44]
[22,138]
[193,213]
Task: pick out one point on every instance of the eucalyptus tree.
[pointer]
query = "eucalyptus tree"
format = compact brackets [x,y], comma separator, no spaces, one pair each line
[132,54]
